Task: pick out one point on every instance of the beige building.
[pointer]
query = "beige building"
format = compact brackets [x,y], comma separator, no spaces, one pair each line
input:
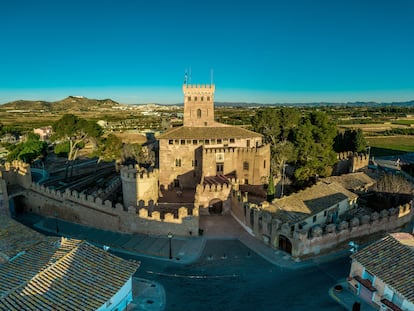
[204,148]
[383,273]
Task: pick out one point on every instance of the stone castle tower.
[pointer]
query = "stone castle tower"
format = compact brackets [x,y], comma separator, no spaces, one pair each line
[198,105]
[139,187]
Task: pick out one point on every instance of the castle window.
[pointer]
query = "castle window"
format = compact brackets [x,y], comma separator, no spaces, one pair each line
[170,142]
[314,218]
[246,165]
[248,143]
[182,141]
[219,141]
[189,98]
[219,168]
[194,162]
[232,140]
[199,113]
[213,141]
[178,162]
[207,142]
[208,98]
[205,123]
[202,98]
[195,98]
[194,141]
[264,163]
[176,141]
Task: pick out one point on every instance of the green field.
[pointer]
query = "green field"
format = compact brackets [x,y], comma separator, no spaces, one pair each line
[403,122]
[390,145]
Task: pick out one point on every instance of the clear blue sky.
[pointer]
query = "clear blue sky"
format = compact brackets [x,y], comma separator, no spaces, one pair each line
[270,51]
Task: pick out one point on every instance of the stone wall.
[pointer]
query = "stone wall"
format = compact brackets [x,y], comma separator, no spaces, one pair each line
[139,186]
[350,162]
[93,211]
[16,173]
[319,238]
[206,193]
[250,165]
[88,210]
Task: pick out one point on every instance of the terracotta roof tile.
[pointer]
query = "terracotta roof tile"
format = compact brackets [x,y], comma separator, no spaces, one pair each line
[187,132]
[59,273]
[392,262]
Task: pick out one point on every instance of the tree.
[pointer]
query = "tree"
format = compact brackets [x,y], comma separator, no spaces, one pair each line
[76,131]
[271,189]
[137,154]
[313,141]
[393,189]
[350,140]
[27,151]
[276,125]
[110,148]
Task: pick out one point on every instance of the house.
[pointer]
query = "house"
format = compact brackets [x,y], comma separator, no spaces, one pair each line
[44,132]
[383,272]
[53,273]
[320,204]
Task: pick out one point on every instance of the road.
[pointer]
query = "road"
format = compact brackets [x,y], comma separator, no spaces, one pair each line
[229,276]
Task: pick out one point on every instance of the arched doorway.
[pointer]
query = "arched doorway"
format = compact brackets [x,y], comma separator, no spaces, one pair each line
[215,207]
[285,244]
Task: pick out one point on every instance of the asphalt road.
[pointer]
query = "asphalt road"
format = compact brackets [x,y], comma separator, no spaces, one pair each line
[229,276]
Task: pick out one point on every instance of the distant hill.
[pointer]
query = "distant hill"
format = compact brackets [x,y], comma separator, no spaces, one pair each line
[71,103]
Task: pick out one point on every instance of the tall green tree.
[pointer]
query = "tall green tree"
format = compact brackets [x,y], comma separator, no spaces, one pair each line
[76,131]
[110,148]
[27,151]
[313,141]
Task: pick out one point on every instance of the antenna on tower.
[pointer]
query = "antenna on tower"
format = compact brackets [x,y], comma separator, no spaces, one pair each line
[185,78]
[211,75]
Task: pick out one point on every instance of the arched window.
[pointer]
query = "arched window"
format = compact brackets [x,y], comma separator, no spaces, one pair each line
[199,113]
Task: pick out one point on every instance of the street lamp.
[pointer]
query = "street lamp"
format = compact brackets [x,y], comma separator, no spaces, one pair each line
[56,222]
[169,240]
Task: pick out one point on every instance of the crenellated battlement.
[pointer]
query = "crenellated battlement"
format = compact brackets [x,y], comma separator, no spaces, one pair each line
[238,150]
[16,173]
[210,88]
[134,172]
[323,237]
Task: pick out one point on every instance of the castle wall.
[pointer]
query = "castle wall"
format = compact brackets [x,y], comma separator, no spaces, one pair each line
[139,187]
[318,239]
[250,165]
[206,194]
[350,162]
[87,210]
[16,173]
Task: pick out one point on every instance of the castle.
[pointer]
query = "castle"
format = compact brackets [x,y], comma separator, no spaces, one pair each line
[199,164]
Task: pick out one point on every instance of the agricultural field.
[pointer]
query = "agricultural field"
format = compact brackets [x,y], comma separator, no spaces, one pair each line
[390,145]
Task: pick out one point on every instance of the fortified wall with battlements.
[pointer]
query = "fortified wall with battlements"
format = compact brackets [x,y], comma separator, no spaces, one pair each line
[351,162]
[318,239]
[139,186]
[95,212]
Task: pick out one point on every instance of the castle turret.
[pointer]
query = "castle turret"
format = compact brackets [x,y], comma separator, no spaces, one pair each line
[139,187]
[198,105]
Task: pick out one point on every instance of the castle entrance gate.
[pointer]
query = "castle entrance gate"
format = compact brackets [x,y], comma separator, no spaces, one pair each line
[215,207]
[285,244]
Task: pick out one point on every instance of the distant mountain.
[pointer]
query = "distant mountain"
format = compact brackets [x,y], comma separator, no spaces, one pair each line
[315,104]
[71,103]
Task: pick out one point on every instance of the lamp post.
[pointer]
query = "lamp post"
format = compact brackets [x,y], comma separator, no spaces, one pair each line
[56,221]
[169,241]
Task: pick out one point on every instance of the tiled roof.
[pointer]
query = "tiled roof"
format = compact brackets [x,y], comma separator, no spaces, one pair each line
[15,238]
[303,204]
[187,132]
[62,274]
[353,181]
[392,262]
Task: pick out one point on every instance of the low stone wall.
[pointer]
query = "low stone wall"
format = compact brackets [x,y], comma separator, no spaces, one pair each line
[318,239]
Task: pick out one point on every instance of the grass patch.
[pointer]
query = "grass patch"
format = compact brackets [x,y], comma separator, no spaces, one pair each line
[390,145]
[404,122]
